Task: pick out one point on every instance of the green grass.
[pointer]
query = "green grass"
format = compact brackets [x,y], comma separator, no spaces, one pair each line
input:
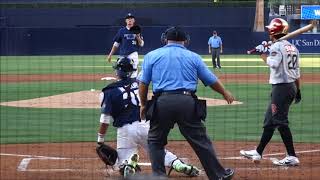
[240,122]
[244,122]
[97,64]
[234,123]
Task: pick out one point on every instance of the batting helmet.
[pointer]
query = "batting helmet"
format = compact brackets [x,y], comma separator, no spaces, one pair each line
[278,26]
[124,67]
[175,34]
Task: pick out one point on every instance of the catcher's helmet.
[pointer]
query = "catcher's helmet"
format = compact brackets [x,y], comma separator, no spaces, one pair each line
[278,26]
[124,67]
[175,34]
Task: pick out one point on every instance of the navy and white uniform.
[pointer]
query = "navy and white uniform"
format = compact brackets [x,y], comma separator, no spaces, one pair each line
[128,46]
[284,61]
[120,102]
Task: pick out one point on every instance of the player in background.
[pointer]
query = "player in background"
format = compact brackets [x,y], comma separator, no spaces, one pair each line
[128,42]
[120,104]
[215,48]
[283,61]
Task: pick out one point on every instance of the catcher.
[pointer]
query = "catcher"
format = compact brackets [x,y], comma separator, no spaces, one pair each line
[120,104]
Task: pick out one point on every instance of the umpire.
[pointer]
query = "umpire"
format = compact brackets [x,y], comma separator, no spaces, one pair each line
[174,72]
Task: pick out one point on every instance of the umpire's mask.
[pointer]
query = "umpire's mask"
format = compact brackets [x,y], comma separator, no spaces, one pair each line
[175,34]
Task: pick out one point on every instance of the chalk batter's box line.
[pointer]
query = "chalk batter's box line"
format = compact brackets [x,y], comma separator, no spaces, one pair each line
[23,166]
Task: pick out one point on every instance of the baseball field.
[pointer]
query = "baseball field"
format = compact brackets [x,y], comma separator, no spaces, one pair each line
[50,114]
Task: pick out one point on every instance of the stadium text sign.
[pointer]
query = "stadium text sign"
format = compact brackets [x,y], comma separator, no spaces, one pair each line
[310,12]
[305,42]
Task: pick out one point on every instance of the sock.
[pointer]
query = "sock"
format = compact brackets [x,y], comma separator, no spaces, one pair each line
[265,139]
[287,139]
[100,138]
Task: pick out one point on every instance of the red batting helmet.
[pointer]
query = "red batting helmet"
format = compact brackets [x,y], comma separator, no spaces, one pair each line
[278,26]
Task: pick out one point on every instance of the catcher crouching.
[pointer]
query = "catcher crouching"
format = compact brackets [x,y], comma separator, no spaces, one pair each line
[120,105]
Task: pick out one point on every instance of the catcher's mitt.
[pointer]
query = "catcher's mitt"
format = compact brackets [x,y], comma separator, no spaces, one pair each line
[135,29]
[107,154]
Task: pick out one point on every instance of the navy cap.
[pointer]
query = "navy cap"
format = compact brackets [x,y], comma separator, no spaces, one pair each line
[129,15]
[176,34]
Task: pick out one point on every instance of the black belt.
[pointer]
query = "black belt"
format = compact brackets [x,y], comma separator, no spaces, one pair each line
[280,84]
[189,93]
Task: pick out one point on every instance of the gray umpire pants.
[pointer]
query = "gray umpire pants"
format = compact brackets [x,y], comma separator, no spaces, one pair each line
[215,55]
[180,109]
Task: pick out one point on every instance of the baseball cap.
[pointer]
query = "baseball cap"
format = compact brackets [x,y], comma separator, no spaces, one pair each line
[214,32]
[129,15]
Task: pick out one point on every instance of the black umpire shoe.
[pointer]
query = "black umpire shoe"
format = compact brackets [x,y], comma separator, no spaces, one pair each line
[229,174]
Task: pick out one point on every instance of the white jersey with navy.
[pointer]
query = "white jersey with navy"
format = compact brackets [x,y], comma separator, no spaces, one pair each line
[126,41]
[120,100]
[284,63]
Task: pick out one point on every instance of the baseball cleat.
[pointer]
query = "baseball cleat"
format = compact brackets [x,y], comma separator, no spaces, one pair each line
[132,167]
[287,161]
[229,174]
[252,154]
[187,169]
[192,172]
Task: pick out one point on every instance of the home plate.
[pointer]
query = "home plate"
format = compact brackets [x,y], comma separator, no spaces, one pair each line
[274,160]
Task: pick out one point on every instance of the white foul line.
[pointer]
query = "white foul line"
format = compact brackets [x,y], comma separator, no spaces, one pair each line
[39,157]
[274,154]
[62,170]
[25,161]
[30,156]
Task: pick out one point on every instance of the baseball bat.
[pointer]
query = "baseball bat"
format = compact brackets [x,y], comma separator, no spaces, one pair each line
[291,34]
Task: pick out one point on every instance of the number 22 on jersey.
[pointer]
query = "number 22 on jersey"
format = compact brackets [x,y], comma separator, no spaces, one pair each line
[292,57]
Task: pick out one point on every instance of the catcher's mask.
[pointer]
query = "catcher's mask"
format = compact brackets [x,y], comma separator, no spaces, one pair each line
[175,34]
[123,67]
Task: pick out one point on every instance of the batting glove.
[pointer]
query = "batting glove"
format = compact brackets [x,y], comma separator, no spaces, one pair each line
[263,47]
[298,97]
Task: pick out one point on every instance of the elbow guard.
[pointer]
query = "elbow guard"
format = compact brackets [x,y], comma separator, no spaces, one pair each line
[116,44]
[105,118]
[142,43]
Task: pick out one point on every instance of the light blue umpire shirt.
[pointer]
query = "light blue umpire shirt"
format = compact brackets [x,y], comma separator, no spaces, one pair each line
[173,67]
[215,42]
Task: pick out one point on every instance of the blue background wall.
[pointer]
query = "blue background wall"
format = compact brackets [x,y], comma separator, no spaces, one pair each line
[90,30]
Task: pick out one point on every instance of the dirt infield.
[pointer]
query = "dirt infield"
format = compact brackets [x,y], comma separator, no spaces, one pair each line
[226,78]
[79,161]
[82,99]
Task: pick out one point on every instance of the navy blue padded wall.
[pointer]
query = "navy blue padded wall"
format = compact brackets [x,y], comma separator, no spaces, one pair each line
[90,31]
